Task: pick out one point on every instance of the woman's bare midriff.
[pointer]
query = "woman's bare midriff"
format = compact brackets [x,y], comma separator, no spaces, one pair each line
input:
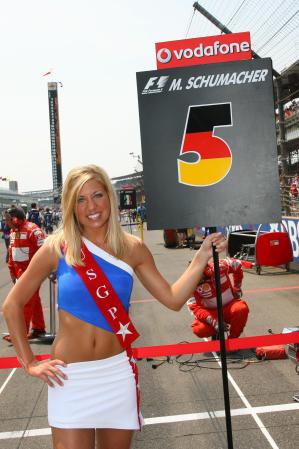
[78,341]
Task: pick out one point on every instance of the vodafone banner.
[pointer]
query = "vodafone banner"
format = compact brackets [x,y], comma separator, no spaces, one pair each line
[203,50]
[209,145]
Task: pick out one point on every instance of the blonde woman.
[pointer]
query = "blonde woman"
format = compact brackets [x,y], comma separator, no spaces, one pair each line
[92,392]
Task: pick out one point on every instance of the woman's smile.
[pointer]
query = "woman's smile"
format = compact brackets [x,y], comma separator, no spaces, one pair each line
[94,216]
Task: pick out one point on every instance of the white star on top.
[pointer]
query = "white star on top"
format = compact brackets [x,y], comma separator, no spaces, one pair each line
[123,330]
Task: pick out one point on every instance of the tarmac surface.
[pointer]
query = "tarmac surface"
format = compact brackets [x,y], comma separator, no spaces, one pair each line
[182,403]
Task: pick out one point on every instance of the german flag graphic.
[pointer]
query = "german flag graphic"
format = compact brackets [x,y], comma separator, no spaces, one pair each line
[214,157]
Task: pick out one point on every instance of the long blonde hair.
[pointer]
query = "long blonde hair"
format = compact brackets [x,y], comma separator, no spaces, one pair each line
[69,233]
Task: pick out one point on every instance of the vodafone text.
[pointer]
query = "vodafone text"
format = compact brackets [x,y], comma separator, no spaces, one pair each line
[164,55]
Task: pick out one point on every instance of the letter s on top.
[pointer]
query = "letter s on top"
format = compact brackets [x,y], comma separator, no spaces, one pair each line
[91,274]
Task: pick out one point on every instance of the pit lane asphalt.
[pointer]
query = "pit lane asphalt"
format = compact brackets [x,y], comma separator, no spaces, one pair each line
[169,392]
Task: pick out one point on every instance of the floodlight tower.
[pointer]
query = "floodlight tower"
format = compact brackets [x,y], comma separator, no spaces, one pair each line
[55,140]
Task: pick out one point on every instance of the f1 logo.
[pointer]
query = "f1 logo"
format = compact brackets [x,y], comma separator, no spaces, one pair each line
[214,157]
[157,82]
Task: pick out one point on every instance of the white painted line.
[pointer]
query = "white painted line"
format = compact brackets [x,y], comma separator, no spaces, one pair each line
[9,435]
[254,415]
[248,406]
[171,419]
[221,414]
[25,433]
[37,432]
[7,380]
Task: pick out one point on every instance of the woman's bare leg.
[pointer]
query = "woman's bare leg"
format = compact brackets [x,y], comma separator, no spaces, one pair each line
[113,438]
[73,438]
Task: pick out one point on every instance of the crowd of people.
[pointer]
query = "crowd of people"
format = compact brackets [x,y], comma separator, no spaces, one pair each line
[291,109]
[290,193]
[133,215]
[45,218]
[294,186]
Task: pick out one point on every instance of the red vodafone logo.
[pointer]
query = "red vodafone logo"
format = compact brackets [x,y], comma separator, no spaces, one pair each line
[205,50]
[164,55]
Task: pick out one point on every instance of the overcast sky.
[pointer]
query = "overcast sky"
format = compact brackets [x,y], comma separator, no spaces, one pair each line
[95,48]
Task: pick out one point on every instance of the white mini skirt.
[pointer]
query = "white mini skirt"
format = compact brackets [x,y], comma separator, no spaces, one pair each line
[97,394]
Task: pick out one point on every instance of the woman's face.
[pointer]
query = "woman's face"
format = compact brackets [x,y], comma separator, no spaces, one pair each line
[93,206]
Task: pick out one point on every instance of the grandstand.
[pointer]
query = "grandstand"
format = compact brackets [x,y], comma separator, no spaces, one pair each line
[290,100]
[44,198]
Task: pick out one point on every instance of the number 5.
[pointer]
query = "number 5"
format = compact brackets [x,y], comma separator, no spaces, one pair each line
[214,157]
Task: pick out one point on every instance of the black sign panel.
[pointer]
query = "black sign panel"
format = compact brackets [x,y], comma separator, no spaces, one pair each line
[127,199]
[209,145]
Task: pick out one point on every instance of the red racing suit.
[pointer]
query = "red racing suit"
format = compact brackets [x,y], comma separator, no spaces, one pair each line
[203,305]
[25,239]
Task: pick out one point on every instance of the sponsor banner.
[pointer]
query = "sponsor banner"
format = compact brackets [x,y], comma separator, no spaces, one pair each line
[55,136]
[289,224]
[208,139]
[203,50]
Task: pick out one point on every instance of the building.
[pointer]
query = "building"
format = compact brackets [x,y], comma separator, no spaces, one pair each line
[9,197]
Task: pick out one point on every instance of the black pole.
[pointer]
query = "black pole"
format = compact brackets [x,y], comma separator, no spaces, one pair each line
[229,432]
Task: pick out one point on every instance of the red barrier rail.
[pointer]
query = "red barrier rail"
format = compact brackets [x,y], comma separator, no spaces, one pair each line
[231,344]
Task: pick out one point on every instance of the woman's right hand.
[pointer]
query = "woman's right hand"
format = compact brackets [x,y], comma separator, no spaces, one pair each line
[217,240]
[47,371]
